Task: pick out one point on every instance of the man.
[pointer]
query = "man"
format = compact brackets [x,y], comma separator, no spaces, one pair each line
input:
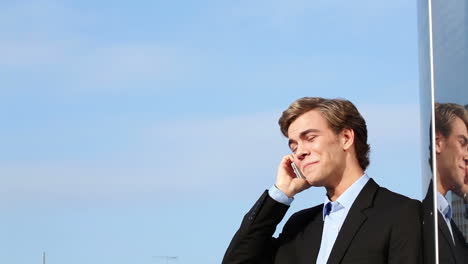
[451,148]
[359,222]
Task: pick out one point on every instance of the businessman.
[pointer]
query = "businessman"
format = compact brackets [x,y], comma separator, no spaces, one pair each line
[359,222]
[451,148]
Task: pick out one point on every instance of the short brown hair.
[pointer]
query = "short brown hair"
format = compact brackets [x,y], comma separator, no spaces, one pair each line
[445,113]
[339,113]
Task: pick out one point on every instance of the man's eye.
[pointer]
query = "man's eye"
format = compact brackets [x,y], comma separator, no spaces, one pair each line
[464,142]
[311,138]
[293,148]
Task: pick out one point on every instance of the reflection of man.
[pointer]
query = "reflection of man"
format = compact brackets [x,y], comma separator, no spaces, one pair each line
[465,198]
[359,221]
[451,147]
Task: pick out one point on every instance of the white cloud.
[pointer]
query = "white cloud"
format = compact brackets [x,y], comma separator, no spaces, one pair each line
[81,67]
[192,157]
[40,20]
[47,38]
[109,66]
[19,54]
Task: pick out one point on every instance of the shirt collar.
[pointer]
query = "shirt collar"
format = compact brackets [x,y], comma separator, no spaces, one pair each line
[444,206]
[347,198]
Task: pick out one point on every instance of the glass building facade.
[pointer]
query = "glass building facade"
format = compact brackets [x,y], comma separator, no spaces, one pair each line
[443,62]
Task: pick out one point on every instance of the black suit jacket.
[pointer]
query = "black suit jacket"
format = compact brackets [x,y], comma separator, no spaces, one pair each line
[381,227]
[429,227]
[449,252]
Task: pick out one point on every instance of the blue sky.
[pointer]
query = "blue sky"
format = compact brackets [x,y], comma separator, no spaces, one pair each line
[142,129]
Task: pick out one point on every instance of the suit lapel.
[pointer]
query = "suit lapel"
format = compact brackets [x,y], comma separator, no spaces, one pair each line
[443,228]
[458,235]
[444,234]
[353,221]
[313,237]
[461,246]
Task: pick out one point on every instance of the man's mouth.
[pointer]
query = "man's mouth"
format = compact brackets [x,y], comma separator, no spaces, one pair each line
[309,164]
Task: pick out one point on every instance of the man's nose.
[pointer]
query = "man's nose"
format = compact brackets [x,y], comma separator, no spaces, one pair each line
[301,152]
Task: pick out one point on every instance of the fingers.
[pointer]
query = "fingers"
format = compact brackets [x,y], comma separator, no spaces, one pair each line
[286,180]
[287,159]
[286,165]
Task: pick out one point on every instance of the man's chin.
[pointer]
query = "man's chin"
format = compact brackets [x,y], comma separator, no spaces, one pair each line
[315,182]
[464,191]
[461,191]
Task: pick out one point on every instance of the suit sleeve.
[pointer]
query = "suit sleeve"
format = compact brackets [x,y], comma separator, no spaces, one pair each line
[253,242]
[406,237]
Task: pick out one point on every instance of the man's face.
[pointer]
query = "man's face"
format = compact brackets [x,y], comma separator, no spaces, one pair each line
[452,158]
[316,149]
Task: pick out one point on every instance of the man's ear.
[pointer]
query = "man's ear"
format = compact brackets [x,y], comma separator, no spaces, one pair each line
[347,137]
[439,142]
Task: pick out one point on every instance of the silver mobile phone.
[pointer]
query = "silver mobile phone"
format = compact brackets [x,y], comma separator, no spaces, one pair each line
[297,171]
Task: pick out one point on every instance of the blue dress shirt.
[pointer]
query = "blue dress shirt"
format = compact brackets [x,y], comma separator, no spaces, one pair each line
[446,210]
[334,213]
[279,196]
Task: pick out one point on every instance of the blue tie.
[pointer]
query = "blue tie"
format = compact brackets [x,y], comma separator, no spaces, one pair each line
[328,208]
[448,212]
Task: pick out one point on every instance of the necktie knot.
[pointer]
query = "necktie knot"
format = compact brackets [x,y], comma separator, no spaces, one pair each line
[328,208]
[448,213]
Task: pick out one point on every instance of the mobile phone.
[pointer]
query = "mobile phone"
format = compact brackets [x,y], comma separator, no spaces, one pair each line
[297,171]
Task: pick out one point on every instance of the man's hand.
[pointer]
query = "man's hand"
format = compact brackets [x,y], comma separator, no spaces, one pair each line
[286,179]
